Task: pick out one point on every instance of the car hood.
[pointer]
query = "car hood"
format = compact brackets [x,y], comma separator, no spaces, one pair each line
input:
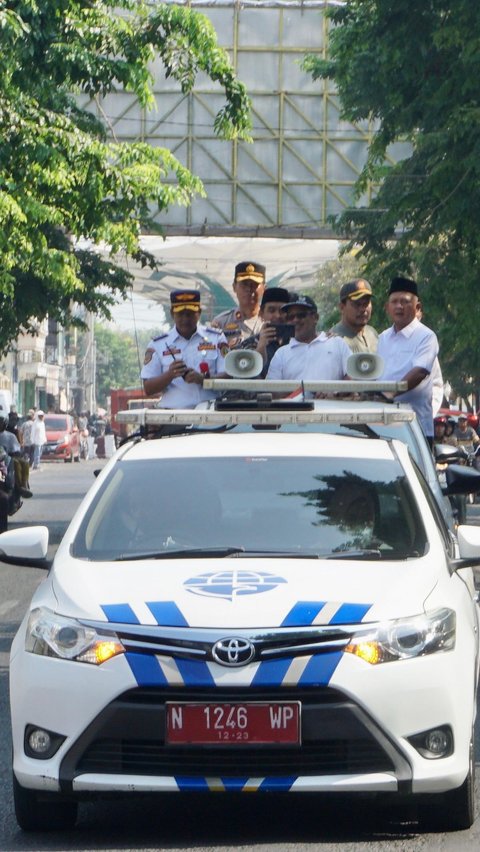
[242,593]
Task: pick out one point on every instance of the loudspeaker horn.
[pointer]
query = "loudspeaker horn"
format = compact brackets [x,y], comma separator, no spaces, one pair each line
[364,365]
[243,363]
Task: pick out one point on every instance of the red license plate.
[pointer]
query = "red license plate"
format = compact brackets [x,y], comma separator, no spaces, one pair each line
[233,724]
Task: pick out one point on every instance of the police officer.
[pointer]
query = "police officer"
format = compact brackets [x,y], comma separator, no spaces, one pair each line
[356,310]
[274,332]
[239,323]
[176,363]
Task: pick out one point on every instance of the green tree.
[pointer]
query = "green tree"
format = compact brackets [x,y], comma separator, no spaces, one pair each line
[118,361]
[412,70]
[60,179]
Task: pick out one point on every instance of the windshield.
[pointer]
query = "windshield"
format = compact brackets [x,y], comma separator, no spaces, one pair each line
[264,505]
[56,424]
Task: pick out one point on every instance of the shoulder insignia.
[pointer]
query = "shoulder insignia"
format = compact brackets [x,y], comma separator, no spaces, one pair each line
[160,336]
[213,329]
[148,356]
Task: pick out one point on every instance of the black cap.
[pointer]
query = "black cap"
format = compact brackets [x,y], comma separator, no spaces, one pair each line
[275,294]
[303,301]
[354,290]
[185,300]
[403,285]
[250,271]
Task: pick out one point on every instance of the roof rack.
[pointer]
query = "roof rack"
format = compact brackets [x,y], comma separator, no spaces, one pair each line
[152,417]
[287,386]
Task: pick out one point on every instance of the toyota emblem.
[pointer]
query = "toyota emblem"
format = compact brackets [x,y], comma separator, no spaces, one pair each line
[233,652]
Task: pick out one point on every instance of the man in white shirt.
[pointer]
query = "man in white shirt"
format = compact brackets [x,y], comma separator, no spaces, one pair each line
[308,355]
[409,350]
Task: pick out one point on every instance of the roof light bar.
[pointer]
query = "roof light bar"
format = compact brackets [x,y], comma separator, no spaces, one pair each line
[287,386]
[210,417]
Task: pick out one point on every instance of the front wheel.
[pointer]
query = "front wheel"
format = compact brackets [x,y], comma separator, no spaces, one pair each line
[42,812]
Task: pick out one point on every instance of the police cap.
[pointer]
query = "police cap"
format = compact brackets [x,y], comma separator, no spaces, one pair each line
[249,271]
[185,300]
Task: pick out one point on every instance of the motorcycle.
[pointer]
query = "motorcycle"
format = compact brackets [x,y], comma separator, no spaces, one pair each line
[445,455]
[10,497]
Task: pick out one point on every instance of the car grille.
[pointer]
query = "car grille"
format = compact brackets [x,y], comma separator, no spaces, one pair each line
[128,738]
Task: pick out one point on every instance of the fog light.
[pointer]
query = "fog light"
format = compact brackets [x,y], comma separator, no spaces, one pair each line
[438,742]
[40,741]
[434,743]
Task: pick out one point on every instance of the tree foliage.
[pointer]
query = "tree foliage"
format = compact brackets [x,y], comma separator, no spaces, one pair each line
[413,70]
[60,179]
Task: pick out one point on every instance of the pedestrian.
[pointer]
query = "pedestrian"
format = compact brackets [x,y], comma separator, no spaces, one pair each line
[274,332]
[25,435]
[409,349]
[39,438]
[308,355]
[177,363]
[244,320]
[356,310]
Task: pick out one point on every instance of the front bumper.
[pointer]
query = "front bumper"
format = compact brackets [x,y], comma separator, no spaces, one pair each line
[354,730]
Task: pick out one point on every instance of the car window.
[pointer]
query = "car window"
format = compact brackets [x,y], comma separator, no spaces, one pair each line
[297,505]
[56,424]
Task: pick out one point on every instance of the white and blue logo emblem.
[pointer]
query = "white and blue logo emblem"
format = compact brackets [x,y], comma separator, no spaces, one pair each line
[232,584]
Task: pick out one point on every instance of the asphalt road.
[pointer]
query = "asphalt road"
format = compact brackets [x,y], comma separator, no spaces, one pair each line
[221,823]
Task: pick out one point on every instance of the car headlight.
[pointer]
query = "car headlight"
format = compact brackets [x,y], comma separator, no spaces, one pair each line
[53,635]
[405,638]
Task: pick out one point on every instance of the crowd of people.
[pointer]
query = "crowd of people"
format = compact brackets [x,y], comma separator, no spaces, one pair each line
[282,327]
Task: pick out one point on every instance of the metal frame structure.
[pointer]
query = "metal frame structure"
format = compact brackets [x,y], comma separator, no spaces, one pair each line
[304,160]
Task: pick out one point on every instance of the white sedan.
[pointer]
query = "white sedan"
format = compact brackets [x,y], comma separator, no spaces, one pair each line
[249,612]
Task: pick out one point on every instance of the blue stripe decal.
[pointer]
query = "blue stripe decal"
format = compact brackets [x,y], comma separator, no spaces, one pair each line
[194,673]
[146,669]
[167,613]
[234,785]
[120,613]
[304,612]
[275,785]
[350,613]
[320,669]
[191,783]
[271,672]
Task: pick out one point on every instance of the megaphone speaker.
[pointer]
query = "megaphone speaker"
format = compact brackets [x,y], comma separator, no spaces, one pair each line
[364,365]
[243,363]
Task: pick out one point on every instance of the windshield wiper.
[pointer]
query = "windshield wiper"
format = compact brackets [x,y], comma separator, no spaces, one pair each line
[354,554]
[191,552]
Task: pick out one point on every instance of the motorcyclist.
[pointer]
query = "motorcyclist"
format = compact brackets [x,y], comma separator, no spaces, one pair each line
[21,466]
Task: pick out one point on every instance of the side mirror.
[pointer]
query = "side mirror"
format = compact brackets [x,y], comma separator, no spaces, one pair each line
[25,546]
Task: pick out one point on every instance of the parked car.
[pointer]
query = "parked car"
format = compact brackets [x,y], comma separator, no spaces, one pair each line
[63,438]
[249,612]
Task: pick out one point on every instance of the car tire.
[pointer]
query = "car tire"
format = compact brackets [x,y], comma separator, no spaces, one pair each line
[455,809]
[42,812]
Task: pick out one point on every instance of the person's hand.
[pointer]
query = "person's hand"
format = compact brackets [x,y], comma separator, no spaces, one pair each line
[193,378]
[176,370]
